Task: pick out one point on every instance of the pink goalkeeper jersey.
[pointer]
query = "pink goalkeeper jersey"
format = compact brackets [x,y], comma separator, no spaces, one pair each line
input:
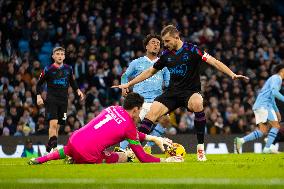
[110,127]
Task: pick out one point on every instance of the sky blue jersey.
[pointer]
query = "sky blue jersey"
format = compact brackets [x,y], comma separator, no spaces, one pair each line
[268,93]
[151,87]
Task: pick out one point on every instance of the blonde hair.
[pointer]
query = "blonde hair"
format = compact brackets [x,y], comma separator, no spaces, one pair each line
[169,29]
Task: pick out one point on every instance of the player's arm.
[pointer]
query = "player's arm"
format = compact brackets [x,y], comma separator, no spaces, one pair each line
[133,137]
[126,75]
[276,83]
[222,67]
[159,141]
[41,81]
[139,152]
[141,77]
[74,85]
[143,157]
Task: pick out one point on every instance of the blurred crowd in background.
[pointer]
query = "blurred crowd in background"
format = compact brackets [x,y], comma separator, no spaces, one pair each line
[102,37]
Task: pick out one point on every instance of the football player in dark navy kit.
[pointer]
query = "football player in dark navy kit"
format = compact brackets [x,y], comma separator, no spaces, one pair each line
[183,60]
[58,77]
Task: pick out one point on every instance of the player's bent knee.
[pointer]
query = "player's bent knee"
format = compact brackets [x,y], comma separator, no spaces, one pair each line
[156,111]
[197,106]
[275,124]
[263,128]
[195,103]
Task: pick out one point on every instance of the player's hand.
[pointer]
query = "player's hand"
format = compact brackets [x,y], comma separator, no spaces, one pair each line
[39,100]
[241,77]
[123,92]
[80,94]
[278,116]
[173,159]
[160,142]
[122,87]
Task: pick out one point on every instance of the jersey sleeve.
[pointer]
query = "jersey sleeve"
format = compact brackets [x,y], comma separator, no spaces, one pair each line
[161,63]
[141,136]
[142,155]
[199,54]
[132,135]
[276,83]
[275,87]
[128,73]
[42,80]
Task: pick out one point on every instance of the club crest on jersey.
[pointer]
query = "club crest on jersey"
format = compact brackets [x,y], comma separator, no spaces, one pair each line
[185,57]
[170,59]
[178,70]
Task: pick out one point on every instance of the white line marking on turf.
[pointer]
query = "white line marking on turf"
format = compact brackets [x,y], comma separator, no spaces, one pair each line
[208,181]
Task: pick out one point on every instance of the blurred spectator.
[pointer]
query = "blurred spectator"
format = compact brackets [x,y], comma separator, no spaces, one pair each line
[29,151]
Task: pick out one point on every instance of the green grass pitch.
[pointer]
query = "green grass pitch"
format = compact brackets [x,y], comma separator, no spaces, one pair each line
[246,171]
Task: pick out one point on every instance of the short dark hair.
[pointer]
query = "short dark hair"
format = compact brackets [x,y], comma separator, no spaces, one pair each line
[278,68]
[151,36]
[169,29]
[133,100]
[58,49]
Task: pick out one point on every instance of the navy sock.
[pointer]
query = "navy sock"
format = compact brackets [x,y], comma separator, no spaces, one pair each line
[199,124]
[279,138]
[146,126]
[52,143]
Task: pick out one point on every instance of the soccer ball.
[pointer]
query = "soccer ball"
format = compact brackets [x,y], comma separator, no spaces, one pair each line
[175,150]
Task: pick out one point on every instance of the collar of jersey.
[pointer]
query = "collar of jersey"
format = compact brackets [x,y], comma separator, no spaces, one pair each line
[58,67]
[153,61]
[178,51]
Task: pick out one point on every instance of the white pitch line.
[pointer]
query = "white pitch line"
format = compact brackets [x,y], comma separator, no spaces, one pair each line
[171,181]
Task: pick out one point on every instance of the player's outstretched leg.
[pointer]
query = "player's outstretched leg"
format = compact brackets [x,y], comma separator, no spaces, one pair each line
[57,154]
[238,142]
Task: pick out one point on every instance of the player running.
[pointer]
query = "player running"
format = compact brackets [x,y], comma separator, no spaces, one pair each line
[112,125]
[266,112]
[58,77]
[183,61]
[151,87]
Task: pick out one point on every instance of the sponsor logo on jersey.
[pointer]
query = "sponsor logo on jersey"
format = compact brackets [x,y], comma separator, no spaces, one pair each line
[179,70]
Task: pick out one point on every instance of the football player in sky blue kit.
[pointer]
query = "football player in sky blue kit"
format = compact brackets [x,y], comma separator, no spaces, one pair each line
[153,86]
[266,112]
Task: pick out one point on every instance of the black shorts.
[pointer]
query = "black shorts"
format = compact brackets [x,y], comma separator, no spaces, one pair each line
[175,99]
[56,109]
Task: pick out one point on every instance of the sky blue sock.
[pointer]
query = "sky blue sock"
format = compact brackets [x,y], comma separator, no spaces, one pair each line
[123,145]
[158,131]
[253,135]
[271,136]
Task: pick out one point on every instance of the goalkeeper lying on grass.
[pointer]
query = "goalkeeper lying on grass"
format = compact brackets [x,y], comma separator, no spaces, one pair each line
[113,125]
